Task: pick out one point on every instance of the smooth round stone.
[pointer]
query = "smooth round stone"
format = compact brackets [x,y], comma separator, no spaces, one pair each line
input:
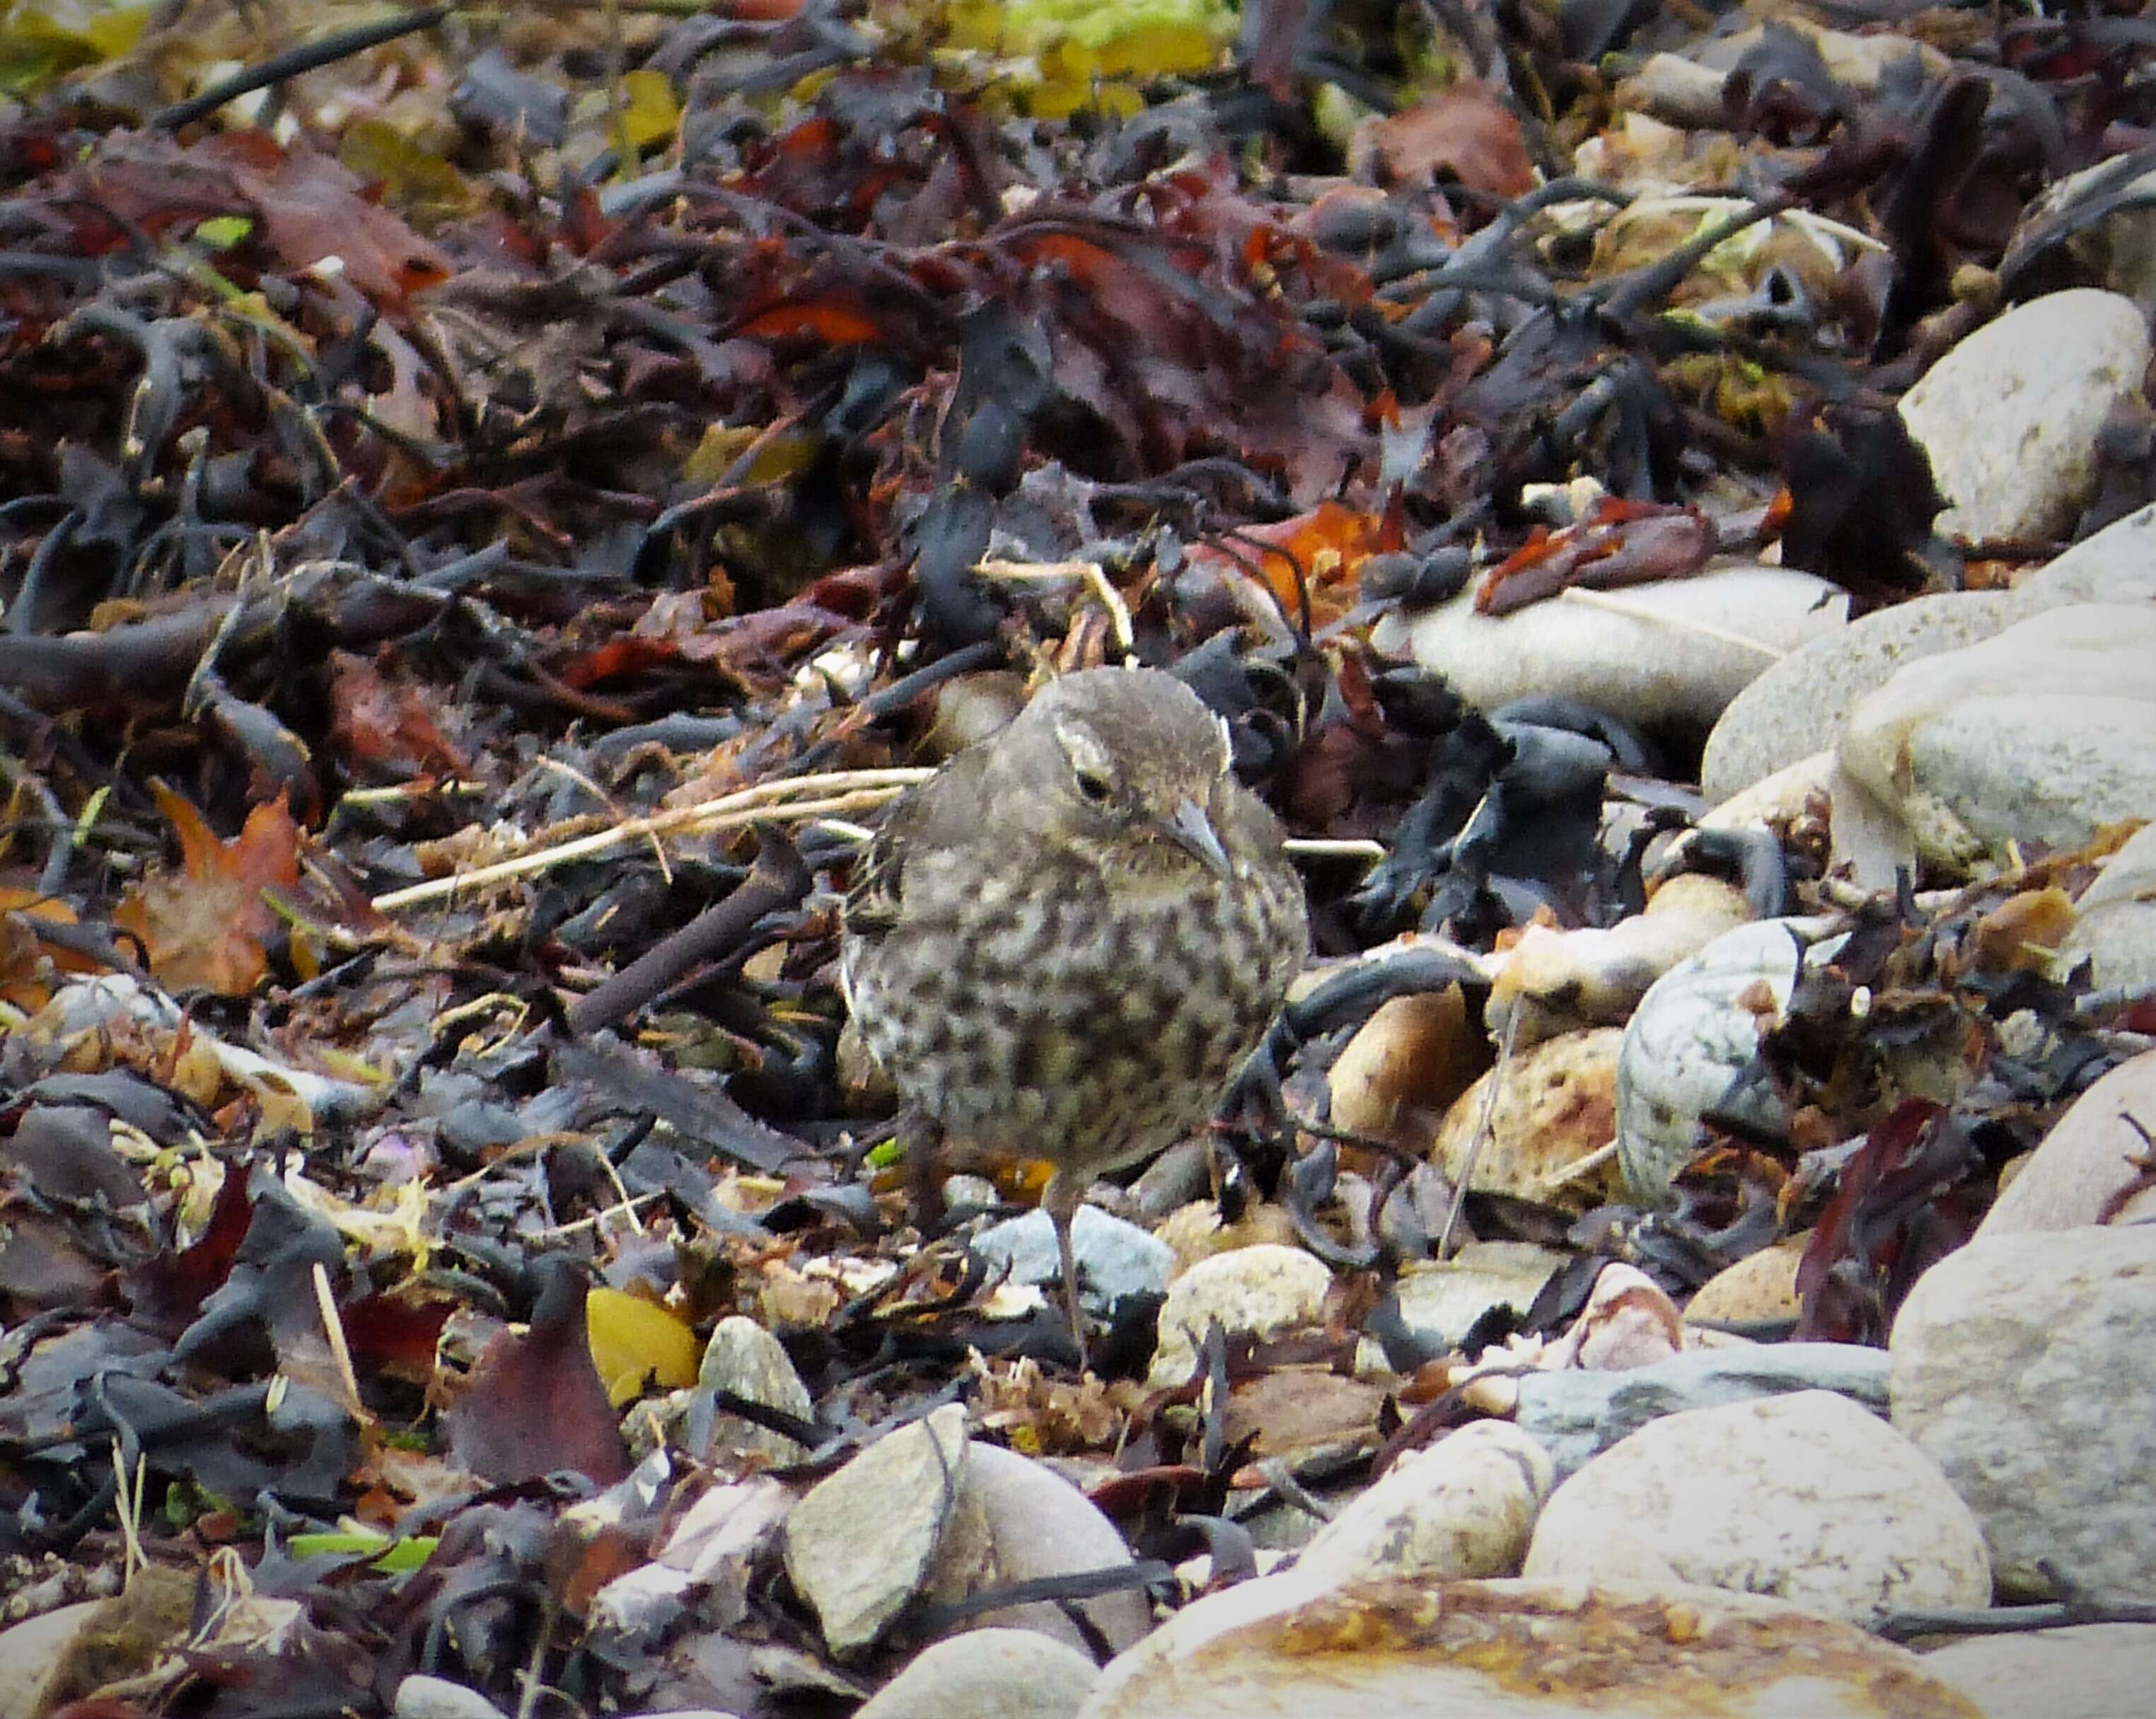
[2010,416]
[1806,1497]
[1019,1521]
[1406,1063]
[1577,1415]
[989,1673]
[1295,1646]
[2038,734]
[1555,1105]
[1670,654]
[1262,1290]
[419,1696]
[2115,930]
[1778,800]
[1463,1507]
[1798,706]
[2116,565]
[1551,980]
[1761,1286]
[36,1656]
[2084,1672]
[1117,1259]
[2024,1366]
[1695,1032]
[2091,1167]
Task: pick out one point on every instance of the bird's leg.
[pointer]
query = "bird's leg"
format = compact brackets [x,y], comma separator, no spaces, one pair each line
[1062,1197]
[924,1185]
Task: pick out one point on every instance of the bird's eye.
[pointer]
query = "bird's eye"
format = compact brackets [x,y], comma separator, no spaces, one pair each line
[1094,785]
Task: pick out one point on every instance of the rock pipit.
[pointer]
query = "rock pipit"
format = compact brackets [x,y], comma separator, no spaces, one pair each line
[1066,941]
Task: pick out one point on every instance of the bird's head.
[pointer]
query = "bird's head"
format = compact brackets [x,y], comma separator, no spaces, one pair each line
[1127,765]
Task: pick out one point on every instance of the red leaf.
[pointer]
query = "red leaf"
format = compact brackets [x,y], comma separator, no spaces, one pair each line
[1465,129]
[533,1402]
[834,324]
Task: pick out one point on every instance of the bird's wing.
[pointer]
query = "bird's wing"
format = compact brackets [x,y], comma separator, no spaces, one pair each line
[939,812]
[872,899]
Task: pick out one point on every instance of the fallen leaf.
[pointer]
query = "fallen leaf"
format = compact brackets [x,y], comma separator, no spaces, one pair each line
[206,925]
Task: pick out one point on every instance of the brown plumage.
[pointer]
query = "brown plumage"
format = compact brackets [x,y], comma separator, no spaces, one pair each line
[1066,942]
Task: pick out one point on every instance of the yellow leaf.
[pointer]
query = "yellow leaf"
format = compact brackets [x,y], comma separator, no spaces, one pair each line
[634,1342]
[649,110]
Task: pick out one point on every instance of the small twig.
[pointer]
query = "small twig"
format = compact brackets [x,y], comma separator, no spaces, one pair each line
[616,95]
[842,791]
[404,793]
[585,781]
[2114,997]
[557,1232]
[1584,1165]
[340,1350]
[1090,573]
[1327,848]
[128,1501]
[1482,1126]
[531,1686]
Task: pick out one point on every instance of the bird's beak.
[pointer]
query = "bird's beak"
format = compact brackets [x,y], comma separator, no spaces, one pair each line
[1189,828]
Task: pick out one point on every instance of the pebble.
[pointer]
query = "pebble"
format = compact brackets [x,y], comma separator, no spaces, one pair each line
[860,1542]
[2092,1167]
[37,1656]
[1553,981]
[1556,1105]
[1629,1321]
[1778,800]
[744,1359]
[2024,1366]
[2038,734]
[988,1674]
[1806,1497]
[687,1713]
[1263,1290]
[1673,653]
[1760,1287]
[1796,707]
[1694,1033]
[1463,1507]
[2117,564]
[1117,1259]
[2115,930]
[1575,1415]
[1674,89]
[1442,1301]
[2010,416]
[419,1696]
[1855,62]
[1294,1645]
[2101,218]
[1019,1521]
[2083,1671]
[1411,1059]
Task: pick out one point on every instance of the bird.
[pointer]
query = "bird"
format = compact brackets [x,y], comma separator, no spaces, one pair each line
[1066,943]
